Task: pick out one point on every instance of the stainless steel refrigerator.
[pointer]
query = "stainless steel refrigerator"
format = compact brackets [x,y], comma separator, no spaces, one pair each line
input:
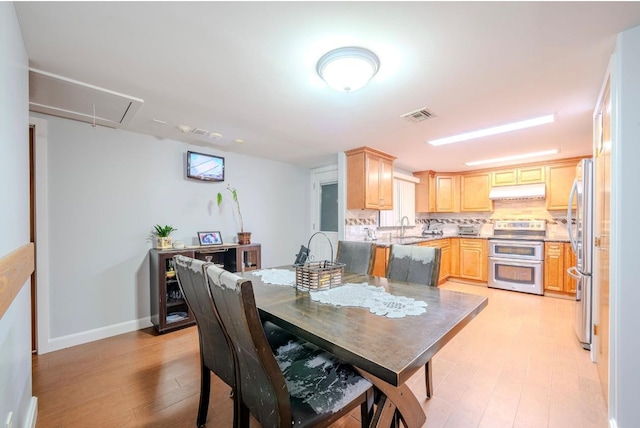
[580,225]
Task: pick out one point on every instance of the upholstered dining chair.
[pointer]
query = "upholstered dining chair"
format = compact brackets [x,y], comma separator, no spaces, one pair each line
[357,256]
[297,384]
[418,265]
[215,353]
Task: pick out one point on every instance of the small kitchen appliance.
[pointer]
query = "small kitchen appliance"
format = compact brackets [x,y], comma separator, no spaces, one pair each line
[468,229]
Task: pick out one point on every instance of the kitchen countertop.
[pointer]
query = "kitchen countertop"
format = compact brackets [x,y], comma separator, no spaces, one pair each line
[413,240]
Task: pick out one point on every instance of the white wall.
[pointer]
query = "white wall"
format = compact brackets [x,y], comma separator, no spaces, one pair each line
[625,234]
[107,188]
[15,325]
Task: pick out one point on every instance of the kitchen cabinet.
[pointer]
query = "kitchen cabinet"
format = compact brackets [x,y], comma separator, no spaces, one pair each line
[369,179]
[554,269]
[522,175]
[447,193]
[474,192]
[569,260]
[445,257]
[380,261]
[473,259]
[454,269]
[559,182]
[425,192]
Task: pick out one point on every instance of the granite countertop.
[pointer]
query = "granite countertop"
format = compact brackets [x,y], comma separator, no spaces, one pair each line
[413,240]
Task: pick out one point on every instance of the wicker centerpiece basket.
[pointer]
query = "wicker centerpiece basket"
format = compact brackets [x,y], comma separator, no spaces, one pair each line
[319,275]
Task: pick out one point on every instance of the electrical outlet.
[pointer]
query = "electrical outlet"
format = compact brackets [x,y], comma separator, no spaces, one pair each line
[10,420]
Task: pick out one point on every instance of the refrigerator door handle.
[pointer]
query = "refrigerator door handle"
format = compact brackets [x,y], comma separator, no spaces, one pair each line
[572,195]
[573,273]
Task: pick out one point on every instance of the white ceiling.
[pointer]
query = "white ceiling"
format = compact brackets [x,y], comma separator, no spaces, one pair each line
[247,70]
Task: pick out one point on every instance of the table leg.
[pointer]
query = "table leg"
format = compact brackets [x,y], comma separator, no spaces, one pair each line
[395,399]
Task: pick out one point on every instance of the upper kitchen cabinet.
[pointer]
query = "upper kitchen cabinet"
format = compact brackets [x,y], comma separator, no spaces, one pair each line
[425,192]
[523,175]
[474,192]
[560,178]
[369,179]
[447,193]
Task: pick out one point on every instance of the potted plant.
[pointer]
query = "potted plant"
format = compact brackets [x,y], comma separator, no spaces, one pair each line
[163,240]
[243,237]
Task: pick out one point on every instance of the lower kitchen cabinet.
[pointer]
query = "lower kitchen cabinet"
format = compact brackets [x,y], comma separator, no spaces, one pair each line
[445,257]
[558,257]
[380,261]
[473,259]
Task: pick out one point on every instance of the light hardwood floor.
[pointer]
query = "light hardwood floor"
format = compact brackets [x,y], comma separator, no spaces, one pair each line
[517,364]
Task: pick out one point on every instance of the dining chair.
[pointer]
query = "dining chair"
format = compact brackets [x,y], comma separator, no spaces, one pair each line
[297,384]
[215,354]
[357,256]
[417,265]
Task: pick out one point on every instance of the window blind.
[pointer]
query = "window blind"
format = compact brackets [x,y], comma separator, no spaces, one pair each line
[404,204]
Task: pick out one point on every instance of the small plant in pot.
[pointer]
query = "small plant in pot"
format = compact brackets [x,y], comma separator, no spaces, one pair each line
[163,240]
[243,237]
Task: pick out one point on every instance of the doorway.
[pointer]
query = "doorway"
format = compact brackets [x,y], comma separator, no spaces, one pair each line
[325,213]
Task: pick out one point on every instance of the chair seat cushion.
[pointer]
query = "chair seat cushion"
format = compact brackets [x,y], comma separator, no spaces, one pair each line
[318,381]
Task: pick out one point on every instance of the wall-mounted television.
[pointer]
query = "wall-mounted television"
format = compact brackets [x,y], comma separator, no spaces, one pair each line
[201,166]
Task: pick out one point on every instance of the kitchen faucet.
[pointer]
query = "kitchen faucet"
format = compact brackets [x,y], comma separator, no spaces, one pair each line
[402,226]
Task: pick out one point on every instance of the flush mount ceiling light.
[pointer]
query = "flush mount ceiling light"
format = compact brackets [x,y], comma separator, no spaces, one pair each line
[514,157]
[348,69]
[493,131]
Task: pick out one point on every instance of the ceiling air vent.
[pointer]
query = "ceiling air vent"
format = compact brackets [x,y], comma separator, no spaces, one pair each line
[64,97]
[419,115]
[200,131]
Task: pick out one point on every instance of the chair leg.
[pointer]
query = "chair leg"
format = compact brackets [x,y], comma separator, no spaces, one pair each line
[241,415]
[428,379]
[366,410]
[205,389]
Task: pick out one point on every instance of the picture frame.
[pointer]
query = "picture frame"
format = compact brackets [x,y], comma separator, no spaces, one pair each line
[209,238]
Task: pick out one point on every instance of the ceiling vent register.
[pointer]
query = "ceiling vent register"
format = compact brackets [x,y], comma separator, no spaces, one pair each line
[419,115]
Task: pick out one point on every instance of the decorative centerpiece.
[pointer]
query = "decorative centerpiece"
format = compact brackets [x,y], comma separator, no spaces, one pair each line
[243,237]
[163,240]
[320,275]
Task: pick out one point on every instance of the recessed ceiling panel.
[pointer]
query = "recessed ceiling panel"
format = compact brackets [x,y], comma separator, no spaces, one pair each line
[60,96]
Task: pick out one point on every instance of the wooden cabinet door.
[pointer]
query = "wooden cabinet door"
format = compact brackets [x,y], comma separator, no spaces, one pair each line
[530,175]
[554,270]
[505,177]
[380,261]
[425,192]
[372,189]
[473,259]
[559,182]
[569,260]
[454,268]
[385,190]
[445,257]
[447,194]
[474,192]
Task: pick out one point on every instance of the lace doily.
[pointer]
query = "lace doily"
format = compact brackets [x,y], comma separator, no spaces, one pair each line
[376,299]
[277,276]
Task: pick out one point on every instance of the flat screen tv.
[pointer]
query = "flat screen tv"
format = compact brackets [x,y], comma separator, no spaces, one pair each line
[201,166]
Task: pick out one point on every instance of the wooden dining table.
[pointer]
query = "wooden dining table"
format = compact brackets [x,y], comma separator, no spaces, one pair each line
[387,351]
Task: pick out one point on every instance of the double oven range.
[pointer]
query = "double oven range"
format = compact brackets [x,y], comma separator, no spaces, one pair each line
[516,256]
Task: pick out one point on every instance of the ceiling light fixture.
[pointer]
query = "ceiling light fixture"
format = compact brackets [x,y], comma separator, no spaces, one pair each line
[348,69]
[493,131]
[514,157]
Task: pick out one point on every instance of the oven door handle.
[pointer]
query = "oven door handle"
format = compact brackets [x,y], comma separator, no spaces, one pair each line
[515,261]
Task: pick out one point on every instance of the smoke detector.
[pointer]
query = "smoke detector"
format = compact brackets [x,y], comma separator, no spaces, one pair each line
[419,115]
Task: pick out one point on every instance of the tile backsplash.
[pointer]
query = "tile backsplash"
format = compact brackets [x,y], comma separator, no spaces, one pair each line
[357,220]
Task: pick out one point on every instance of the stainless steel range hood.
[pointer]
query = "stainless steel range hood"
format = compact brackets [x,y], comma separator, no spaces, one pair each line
[521,191]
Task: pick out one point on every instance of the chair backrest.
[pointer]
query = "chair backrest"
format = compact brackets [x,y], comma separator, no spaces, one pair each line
[413,263]
[261,382]
[357,256]
[215,352]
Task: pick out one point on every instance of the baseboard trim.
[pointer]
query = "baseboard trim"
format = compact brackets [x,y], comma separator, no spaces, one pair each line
[32,413]
[57,343]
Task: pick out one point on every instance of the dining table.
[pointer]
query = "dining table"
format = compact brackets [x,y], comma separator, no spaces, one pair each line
[385,350]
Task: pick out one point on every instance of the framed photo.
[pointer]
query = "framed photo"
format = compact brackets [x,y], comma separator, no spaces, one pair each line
[209,238]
